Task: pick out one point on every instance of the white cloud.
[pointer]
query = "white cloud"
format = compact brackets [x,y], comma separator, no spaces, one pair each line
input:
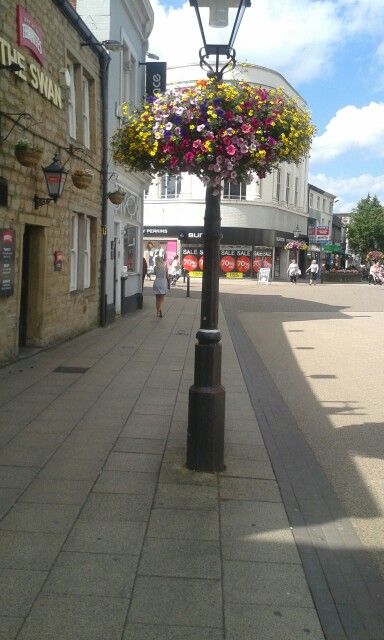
[298,38]
[350,190]
[351,128]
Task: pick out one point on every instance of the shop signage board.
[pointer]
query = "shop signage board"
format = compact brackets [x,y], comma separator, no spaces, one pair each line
[7,261]
[155,78]
[319,234]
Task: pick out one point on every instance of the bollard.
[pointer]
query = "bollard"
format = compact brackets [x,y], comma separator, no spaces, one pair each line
[188,285]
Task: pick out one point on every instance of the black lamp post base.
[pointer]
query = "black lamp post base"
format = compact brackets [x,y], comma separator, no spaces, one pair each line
[206,414]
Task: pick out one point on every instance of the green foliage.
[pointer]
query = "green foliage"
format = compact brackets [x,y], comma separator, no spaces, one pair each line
[366,229]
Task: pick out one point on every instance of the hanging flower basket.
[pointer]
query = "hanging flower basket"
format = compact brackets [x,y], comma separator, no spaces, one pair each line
[82,178]
[27,154]
[216,131]
[296,244]
[117,197]
[374,256]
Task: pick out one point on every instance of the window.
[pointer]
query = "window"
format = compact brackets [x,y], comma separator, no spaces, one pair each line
[323,204]
[311,199]
[130,248]
[87,253]
[72,101]
[129,79]
[287,187]
[170,186]
[83,229]
[330,206]
[296,196]
[234,190]
[86,127]
[278,182]
[258,188]
[318,203]
[74,251]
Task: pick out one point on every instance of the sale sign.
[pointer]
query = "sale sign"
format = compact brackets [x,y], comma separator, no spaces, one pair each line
[192,259]
[227,263]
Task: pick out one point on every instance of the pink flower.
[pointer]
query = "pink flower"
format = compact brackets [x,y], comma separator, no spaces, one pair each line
[246,128]
[196,144]
[231,150]
[189,157]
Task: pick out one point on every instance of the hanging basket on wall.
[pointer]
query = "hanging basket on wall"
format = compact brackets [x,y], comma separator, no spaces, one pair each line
[117,196]
[27,154]
[82,178]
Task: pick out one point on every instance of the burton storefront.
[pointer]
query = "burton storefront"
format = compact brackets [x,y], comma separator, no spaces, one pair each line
[243,252]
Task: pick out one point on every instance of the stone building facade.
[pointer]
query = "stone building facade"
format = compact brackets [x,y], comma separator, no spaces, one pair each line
[49,254]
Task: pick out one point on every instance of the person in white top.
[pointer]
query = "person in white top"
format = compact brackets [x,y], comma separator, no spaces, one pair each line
[293,271]
[313,270]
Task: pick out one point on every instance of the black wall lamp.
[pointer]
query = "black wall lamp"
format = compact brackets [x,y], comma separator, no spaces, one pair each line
[296,232]
[55,177]
[215,14]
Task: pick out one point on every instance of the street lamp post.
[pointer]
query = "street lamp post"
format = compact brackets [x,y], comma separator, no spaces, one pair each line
[206,412]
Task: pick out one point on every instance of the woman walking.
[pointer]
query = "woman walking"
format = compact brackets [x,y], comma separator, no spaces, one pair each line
[313,271]
[160,285]
[293,271]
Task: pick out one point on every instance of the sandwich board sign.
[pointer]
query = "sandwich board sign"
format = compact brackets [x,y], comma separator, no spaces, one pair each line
[264,276]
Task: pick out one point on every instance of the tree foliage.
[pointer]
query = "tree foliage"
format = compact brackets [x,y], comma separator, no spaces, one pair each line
[366,229]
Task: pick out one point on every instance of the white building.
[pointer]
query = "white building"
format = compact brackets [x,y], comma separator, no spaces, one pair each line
[130,23]
[257,219]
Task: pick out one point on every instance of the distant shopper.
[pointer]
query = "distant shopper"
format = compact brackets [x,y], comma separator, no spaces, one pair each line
[313,270]
[293,271]
[160,286]
[145,271]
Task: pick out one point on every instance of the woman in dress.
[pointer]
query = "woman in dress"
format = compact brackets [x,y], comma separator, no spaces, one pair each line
[160,285]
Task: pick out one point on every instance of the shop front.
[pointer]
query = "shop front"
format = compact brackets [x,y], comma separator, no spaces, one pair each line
[243,251]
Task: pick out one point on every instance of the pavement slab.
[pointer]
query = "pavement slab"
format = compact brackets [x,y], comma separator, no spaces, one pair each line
[105,533]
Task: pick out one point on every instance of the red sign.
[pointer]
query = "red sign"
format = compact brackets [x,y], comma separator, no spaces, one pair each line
[201,263]
[190,262]
[227,264]
[29,34]
[243,264]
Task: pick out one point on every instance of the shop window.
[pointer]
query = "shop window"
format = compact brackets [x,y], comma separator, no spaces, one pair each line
[82,258]
[170,186]
[296,196]
[130,248]
[278,184]
[234,190]
[287,187]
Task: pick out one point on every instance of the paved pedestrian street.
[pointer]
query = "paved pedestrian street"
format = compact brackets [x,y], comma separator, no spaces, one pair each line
[106,535]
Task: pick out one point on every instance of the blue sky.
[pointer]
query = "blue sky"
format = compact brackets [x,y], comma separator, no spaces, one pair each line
[332,52]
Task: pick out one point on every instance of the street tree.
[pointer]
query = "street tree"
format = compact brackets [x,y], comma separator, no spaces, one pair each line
[366,229]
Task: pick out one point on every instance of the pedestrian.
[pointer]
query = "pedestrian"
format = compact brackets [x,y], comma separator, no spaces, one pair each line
[313,270]
[293,271]
[175,270]
[144,273]
[160,285]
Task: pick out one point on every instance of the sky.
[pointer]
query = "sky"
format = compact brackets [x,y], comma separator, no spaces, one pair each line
[332,53]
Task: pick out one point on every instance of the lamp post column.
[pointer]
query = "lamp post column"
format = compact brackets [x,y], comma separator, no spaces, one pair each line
[206,414]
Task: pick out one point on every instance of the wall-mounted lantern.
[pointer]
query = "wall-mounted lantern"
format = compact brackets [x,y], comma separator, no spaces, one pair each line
[55,177]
